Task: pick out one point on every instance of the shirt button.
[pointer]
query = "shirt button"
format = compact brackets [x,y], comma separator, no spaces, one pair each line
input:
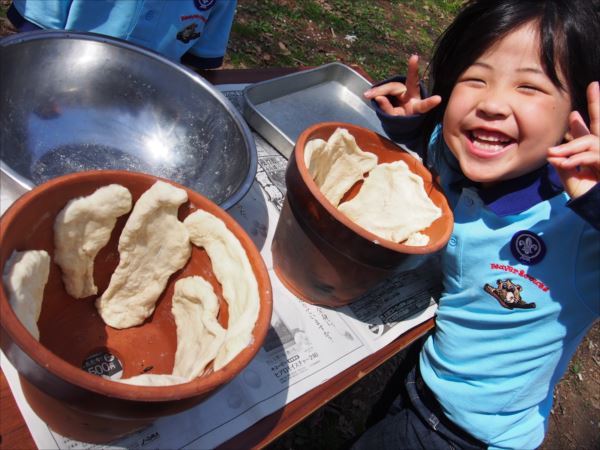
[150,15]
[469,201]
[453,241]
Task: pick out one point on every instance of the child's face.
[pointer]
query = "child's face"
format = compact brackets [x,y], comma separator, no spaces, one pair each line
[504,112]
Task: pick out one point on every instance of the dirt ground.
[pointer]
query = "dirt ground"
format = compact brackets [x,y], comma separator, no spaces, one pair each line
[575,419]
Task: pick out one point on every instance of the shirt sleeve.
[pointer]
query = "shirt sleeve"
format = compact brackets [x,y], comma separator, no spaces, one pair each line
[587,206]
[210,49]
[47,14]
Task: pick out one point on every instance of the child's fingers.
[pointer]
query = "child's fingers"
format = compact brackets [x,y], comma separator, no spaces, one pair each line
[412,78]
[586,159]
[385,104]
[593,97]
[426,105]
[588,143]
[393,88]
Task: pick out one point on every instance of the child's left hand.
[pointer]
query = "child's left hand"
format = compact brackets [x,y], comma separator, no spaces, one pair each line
[578,161]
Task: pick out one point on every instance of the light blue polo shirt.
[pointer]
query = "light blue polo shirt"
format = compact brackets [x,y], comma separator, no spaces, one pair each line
[521,277]
[170,27]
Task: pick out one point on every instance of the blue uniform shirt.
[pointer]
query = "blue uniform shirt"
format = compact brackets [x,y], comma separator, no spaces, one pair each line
[172,28]
[521,276]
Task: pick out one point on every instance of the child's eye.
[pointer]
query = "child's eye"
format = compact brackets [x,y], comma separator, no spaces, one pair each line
[530,88]
[473,81]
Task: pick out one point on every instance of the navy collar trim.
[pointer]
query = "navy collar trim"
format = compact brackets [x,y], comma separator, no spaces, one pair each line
[519,194]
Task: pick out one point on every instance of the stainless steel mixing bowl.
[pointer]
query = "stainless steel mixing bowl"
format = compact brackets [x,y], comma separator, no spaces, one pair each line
[79,101]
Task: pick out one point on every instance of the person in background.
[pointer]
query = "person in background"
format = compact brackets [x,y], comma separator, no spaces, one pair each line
[512,128]
[195,32]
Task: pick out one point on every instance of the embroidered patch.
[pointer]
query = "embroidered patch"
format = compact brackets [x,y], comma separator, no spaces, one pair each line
[204,5]
[527,247]
[188,34]
[508,294]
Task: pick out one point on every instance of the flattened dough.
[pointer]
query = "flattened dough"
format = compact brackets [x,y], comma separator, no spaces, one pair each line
[392,203]
[339,164]
[25,276]
[153,245]
[81,229]
[199,334]
[152,379]
[233,271]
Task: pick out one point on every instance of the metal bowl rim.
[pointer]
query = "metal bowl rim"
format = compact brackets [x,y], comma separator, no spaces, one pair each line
[246,183]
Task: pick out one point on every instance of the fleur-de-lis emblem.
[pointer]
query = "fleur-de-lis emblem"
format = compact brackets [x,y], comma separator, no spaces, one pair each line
[528,246]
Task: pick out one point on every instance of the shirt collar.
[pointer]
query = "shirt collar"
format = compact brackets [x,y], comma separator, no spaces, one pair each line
[519,194]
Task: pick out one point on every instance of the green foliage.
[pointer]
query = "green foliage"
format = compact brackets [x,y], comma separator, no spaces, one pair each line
[378,35]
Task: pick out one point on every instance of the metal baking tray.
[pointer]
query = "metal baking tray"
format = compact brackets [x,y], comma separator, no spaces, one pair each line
[281,108]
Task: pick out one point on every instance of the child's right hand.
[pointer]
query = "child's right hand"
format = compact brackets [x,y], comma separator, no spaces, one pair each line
[578,161]
[408,96]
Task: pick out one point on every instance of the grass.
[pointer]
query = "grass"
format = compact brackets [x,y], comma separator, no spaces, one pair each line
[377,35]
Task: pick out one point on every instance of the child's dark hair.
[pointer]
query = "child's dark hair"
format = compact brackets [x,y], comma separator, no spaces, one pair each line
[569,32]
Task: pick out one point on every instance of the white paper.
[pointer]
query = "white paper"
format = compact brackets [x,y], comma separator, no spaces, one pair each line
[306,345]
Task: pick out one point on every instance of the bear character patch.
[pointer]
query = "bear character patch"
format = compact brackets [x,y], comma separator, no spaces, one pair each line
[188,34]
[508,294]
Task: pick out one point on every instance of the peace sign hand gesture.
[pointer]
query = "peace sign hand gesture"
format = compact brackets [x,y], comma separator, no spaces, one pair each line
[408,96]
[578,161]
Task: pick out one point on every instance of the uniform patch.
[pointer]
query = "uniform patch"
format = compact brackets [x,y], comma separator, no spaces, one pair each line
[508,294]
[527,247]
[204,5]
[188,34]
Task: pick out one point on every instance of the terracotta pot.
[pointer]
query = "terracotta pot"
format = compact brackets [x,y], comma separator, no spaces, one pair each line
[74,402]
[322,256]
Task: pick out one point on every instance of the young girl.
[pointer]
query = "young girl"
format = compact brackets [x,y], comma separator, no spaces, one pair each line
[514,83]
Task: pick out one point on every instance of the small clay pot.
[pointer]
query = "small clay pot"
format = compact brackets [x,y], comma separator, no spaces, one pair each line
[323,257]
[78,404]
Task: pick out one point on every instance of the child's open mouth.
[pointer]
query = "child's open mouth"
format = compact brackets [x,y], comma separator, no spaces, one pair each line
[489,143]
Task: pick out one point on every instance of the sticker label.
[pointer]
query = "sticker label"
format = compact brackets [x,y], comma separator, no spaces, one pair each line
[105,364]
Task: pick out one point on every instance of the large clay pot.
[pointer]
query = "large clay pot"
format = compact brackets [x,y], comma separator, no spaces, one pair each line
[322,256]
[72,401]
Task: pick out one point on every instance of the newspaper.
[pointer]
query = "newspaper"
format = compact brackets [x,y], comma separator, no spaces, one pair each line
[306,345]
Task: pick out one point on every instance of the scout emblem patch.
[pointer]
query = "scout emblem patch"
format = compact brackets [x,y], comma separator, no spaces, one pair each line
[204,5]
[508,294]
[527,247]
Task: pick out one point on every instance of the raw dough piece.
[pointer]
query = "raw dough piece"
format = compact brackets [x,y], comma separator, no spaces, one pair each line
[233,270]
[311,146]
[25,276]
[81,229]
[153,245]
[392,203]
[417,240]
[199,334]
[152,379]
[339,164]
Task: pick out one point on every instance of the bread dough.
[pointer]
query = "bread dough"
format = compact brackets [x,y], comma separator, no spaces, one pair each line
[152,379]
[339,164]
[25,276]
[199,334]
[392,203]
[153,245]
[233,270]
[311,146]
[81,229]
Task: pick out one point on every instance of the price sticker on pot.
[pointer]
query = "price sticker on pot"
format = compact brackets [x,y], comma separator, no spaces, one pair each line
[104,364]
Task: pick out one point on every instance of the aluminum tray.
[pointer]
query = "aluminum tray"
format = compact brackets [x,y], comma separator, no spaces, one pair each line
[281,108]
